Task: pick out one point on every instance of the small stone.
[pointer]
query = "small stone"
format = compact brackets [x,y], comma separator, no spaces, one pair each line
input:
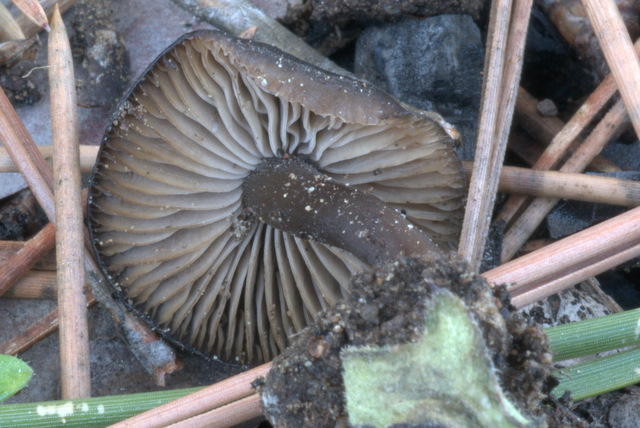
[547,107]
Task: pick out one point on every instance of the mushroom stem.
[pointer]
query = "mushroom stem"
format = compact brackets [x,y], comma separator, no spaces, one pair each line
[293,195]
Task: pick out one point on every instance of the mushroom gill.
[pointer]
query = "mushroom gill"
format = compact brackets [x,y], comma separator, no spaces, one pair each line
[169,212]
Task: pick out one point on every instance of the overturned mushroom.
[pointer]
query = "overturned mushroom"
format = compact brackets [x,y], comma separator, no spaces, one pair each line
[221,163]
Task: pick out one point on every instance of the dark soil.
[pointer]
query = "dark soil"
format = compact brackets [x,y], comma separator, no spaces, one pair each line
[105,62]
[20,217]
[387,307]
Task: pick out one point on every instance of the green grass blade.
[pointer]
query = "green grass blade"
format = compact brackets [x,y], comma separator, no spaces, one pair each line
[595,335]
[85,413]
[600,376]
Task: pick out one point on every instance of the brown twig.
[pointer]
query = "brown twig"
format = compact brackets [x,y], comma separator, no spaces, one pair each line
[472,237]
[34,284]
[505,47]
[545,129]
[23,260]
[33,10]
[619,52]
[18,143]
[217,395]
[32,335]
[36,331]
[561,142]
[513,180]
[226,416]
[523,145]
[566,185]
[524,226]
[88,156]
[8,249]
[571,260]
[30,28]
[535,244]
[9,28]
[74,326]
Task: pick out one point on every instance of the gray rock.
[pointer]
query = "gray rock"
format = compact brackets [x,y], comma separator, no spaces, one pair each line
[434,64]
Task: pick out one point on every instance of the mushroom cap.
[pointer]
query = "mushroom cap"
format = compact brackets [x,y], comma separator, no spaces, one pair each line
[165,202]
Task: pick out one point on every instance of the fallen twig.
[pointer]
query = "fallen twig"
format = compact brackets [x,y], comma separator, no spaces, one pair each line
[524,226]
[33,10]
[8,249]
[36,331]
[562,140]
[217,395]
[228,415]
[24,153]
[9,28]
[74,325]
[571,260]
[34,284]
[30,28]
[32,251]
[545,128]
[619,52]
[512,180]
[505,46]
[566,185]
[88,156]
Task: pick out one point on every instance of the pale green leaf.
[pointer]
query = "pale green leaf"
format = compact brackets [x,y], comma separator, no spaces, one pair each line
[446,378]
[15,374]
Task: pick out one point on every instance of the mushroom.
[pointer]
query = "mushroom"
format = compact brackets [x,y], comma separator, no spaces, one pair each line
[238,189]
